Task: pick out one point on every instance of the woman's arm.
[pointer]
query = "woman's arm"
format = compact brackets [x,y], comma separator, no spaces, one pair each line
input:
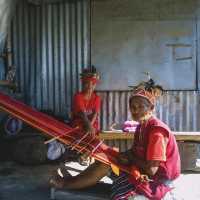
[87,125]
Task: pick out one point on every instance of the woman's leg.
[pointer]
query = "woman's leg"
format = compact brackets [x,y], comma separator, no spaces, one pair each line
[85,179]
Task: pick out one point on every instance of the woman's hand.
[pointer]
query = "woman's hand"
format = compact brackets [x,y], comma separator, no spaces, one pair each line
[87,124]
[90,129]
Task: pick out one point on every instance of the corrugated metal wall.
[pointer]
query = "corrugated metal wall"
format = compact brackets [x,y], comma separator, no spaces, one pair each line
[50,48]
[6,11]
[179,109]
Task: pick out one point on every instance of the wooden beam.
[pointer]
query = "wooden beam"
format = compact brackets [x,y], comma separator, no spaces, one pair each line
[180,136]
[116,136]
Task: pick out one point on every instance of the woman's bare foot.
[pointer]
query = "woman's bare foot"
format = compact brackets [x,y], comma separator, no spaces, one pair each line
[59,177]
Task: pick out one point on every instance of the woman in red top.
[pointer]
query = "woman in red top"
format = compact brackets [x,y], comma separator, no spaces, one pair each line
[154,156]
[86,104]
[154,153]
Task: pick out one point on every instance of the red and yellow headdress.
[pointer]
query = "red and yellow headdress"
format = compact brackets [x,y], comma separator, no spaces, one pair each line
[148,90]
[90,74]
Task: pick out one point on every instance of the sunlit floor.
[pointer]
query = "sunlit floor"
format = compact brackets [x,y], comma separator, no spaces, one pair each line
[187,187]
[31,183]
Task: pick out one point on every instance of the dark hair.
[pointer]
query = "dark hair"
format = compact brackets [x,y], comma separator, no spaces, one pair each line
[90,72]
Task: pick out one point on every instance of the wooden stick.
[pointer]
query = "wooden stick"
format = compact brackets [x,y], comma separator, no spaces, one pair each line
[76,143]
[89,154]
[98,145]
[84,147]
[60,136]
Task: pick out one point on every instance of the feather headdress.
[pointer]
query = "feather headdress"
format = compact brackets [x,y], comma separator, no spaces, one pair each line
[148,90]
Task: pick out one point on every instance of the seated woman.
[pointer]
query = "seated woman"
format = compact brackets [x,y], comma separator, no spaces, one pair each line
[153,158]
[86,104]
[85,111]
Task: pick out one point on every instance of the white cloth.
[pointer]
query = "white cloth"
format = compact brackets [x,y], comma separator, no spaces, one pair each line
[55,150]
[138,197]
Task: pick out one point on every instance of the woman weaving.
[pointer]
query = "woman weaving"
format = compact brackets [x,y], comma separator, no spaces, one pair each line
[154,156]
